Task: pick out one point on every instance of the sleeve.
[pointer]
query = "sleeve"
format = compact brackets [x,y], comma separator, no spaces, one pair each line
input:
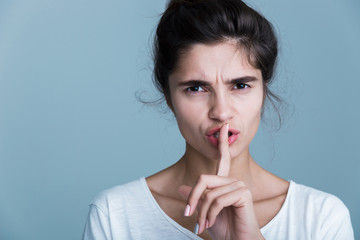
[97,225]
[337,222]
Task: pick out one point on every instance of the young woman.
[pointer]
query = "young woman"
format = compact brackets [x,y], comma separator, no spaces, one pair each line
[214,61]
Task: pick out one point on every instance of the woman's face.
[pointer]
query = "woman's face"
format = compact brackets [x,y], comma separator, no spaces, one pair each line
[213,85]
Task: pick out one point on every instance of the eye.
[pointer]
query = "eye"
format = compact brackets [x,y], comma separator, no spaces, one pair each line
[241,86]
[195,89]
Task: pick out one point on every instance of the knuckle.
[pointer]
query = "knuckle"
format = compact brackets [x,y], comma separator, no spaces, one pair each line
[208,196]
[246,193]
[217,203]
[240,184]
[202,178]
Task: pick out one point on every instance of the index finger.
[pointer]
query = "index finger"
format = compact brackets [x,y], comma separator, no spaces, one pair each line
[223,168]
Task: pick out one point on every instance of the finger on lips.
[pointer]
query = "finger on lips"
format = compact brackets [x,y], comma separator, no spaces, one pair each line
[223,168]
[210,190]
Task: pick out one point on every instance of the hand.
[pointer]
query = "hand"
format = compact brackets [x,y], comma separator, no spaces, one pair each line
[224,205]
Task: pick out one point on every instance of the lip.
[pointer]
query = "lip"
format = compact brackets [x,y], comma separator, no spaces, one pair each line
[214,141]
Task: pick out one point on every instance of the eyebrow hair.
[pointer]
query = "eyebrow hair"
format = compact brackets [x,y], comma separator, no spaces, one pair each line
[244,79]
[194,83]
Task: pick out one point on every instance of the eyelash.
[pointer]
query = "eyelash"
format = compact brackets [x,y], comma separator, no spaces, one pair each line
[192,89]
[243,84]
[195,89]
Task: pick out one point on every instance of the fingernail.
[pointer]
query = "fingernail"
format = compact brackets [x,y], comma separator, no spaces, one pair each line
[207,224]
[187,210]
[227,127]
[196,229]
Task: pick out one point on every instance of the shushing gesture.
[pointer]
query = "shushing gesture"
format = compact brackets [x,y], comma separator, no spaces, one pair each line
[224,205]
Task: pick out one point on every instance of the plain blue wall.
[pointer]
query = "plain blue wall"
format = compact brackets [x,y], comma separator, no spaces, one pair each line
[70,125]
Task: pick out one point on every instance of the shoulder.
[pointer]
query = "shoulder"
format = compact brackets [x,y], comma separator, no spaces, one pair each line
[308,213]
[314,199]
[322,210]
[119,196]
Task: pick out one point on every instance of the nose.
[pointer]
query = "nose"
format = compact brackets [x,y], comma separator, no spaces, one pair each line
[221,107]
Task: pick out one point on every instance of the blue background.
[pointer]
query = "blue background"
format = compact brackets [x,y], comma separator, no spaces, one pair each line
[70,125]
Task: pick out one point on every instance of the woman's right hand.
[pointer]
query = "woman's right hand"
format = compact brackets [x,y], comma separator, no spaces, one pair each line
[224,205]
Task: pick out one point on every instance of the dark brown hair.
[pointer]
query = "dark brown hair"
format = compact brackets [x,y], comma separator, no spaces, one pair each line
[188,22]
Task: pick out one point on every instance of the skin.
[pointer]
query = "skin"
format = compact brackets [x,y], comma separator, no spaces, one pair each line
[228,195]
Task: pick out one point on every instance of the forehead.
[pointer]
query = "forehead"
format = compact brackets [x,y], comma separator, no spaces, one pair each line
[224,60]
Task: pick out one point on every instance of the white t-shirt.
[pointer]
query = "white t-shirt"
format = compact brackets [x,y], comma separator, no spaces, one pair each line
[130,211]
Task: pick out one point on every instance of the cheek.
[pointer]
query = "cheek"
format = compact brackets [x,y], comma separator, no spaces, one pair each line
[187,108]
[187,116]
[251,115]
[255,110]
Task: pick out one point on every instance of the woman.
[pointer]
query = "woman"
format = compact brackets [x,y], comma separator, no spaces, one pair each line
[214,61]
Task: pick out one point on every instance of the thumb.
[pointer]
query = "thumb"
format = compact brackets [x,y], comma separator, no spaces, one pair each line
[184,191]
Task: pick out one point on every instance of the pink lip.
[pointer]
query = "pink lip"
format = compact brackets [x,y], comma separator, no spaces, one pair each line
[214,141]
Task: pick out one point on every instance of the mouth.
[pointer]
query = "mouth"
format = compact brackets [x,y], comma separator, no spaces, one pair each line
[214,133]
[217,134]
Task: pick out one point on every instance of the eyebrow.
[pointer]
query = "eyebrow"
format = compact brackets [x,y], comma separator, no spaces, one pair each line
[245,79]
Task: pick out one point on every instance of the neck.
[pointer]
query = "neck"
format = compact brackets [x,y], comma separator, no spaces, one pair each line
[193,164]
